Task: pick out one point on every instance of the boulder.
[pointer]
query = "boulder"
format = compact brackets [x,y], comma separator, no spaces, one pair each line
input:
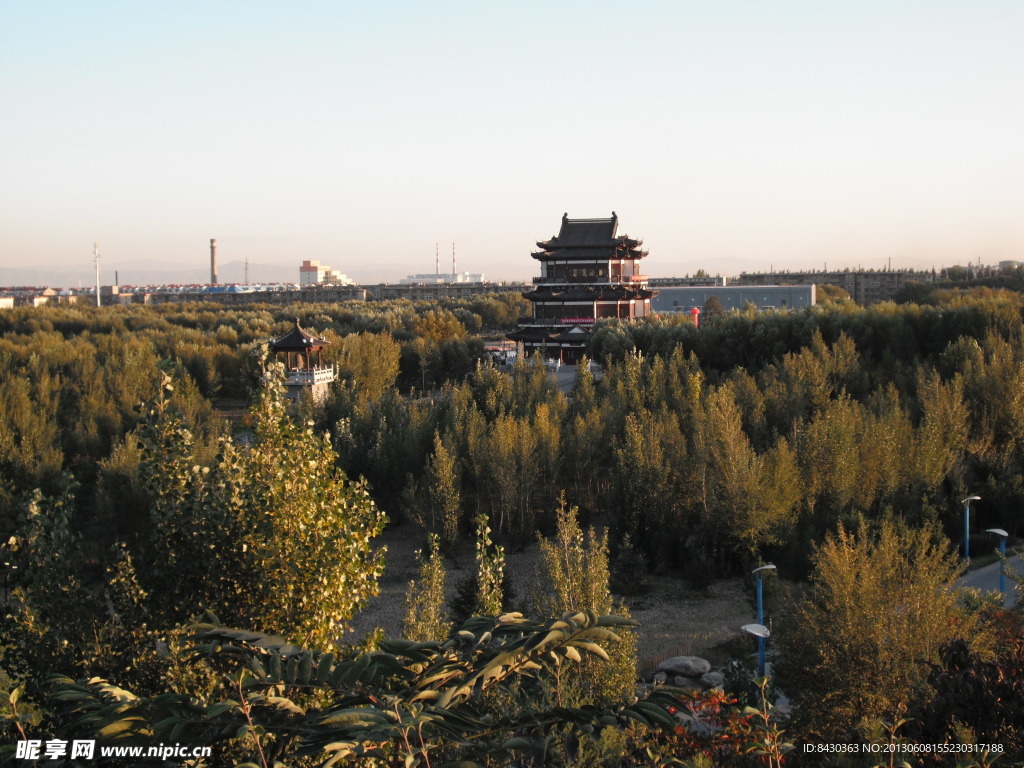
[687,683]
[660,677]
[713,679]
[687,666]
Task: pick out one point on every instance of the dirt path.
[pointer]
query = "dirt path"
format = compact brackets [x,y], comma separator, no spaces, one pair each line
[674,619]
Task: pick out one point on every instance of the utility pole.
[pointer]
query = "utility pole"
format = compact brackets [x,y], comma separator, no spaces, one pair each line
[96,261]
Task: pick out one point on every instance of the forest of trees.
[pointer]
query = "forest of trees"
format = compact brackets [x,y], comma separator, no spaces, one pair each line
[151,478]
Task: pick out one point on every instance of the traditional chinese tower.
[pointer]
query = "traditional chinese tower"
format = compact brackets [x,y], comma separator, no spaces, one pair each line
[302,362]
[588,272]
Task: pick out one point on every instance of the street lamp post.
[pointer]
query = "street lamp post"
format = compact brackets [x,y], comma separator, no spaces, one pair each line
[1002,554]
[8,567]
[967,526]
[758,574]
[761,632]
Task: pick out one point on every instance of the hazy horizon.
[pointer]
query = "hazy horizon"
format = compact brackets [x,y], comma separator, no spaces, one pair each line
[731,137]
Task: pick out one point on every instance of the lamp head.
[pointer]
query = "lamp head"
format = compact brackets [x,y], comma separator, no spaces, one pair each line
[758,630]
[768,567]
[970,498]
[997,532]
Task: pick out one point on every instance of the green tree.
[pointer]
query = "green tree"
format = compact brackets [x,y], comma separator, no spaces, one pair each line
[747,497]
[507,465]
[575,574]
[483,592]
[490,571]
[406,704]
[272,536]
[437,326]
[879,605]
[713,308]
[444,493]
[943,430]
[368,362]
[53,619]
[425,614]
[641,479]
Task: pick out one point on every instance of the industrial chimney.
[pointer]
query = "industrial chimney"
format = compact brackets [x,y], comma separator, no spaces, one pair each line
[213,261]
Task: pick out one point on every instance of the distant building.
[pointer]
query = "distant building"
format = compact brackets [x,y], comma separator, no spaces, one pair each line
[312,273]
[684,298]
[31,296]
[443,277]
[6,302]
[864,287]
[236,295]
[433,291]
[658,282]
[110,295]
[587,272]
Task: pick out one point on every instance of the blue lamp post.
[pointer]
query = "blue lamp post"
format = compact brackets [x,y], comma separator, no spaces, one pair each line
[1002,553]
[758,573]
[761,632]
[967,526]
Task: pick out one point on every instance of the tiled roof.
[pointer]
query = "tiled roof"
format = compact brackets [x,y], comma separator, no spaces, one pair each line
[590,239]
[586,231]
[574,335]
[297,339]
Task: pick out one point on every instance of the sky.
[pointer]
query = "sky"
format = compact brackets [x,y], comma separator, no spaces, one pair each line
[729,136]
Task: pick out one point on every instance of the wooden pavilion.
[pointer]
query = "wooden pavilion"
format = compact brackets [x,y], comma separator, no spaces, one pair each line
[304,369]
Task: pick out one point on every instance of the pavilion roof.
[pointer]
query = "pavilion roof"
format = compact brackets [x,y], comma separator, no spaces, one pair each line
[298,340]
[532,334]
[572,333]
[590,238]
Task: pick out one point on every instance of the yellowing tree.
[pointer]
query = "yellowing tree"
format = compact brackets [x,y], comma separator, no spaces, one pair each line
[574,577]
[857,645]
[369,362]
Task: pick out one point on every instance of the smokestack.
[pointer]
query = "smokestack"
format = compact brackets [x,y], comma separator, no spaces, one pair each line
[437,260]
[453,262]
[117,280]
[213,261]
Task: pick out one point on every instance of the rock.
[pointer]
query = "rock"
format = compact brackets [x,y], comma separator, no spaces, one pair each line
[694,724]
[660,677]
[713,679]
[687,666]
[687,683]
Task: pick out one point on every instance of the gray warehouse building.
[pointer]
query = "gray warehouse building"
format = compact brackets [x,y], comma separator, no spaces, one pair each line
[682,298]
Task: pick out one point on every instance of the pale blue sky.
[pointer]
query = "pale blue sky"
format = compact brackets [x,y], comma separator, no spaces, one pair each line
[729,135]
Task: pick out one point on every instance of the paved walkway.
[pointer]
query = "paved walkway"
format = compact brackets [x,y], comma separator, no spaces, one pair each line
[565,375]
[986,579]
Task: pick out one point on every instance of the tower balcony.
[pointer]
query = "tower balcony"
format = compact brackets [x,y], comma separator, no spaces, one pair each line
[605,280]
[556,322]
[305,377]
